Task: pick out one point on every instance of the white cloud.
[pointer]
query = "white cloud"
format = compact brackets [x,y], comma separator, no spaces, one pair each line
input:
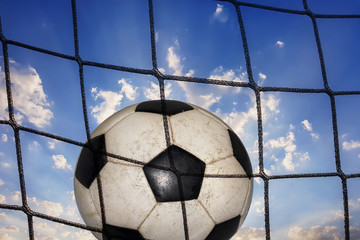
[262,79]
[2,198]
[305,157]
[5,236]
[94,90]
[44,227]
[270,105]
[343,135]
[9,229]
[220,14]
[61,162]
[314,233]
[51,144]
[16,197]
[246,233]
[219,9]
[30,100]
[274,158]
[206,101]
[288,162]
[153,92]
[48,207]
[4,137]
[350,145]
[194,96]
[339,215]
[162,70]
[1,182]
[128,89]
[174,61]
[259,204]
[71,212]
[110,102]
[190,73]
[262,76]
[281,142]
[34,145]
[280,44]
[306,125]
[315,136]
[220,73]
[238,120]
[289,148]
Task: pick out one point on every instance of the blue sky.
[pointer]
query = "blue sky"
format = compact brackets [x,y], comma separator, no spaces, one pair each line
[193,38]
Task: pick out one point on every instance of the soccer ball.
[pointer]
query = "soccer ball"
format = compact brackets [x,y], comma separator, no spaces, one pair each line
[165,170]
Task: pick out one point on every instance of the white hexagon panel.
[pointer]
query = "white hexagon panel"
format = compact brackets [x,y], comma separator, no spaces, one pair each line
[168,170]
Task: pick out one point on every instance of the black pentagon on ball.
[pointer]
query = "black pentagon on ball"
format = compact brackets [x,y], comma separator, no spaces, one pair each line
[240,153]
[111,232]
[225,230]
[91,161]
[166,107]
[175,175]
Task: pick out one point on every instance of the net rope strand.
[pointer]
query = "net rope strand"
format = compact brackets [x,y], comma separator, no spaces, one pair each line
[238,5]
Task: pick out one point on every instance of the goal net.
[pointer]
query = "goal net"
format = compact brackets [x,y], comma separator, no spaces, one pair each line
[274,173]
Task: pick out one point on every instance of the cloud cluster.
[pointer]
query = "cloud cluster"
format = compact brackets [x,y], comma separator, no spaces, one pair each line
[354,204]
[308,127]
[174,61]
[220,73]
[9,229]
[350,145]
[55,209]
[12,226]
[51,144]
[110,100]
[238,120]
[262,78]
[287,144]
[30,100]
[43,229]
[61,162]
[220,14]
[5,236]
[153,93]
[192,94]
[314,233]
[280,44]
